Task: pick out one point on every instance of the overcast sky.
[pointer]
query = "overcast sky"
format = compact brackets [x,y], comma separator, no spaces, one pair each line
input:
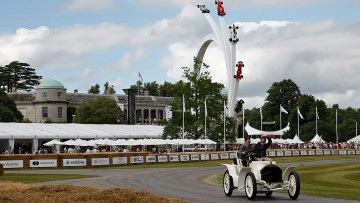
[316,43]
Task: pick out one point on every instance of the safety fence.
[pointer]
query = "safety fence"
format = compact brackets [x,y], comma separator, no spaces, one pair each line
[112,159]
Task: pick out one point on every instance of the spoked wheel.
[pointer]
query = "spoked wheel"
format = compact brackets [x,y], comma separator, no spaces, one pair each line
[268,193]
[250,186]
[294,189]
[228,184]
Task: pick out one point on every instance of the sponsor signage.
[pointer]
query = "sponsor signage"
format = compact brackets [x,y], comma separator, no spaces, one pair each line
[272,153]
[287,153]
[311,153]
[303,153]
[184,158]
[195,157]
[136,159]
[163,158]
[280,153]
[74,162]
[232,155]
[150,159]
[43,163]
[327,152]
[214,156]
[296,153]
[335,152]
[342,152]
[357,151]
[351,152]
[204,157]
[12,163]
[224,156]
[174,158]
[100,161]
[120,160]
[319,152]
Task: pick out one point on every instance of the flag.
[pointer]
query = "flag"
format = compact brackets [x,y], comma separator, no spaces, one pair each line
[282,109]
[317,115]
[183,103]
[205,109]
[298,111]
[261,116]
[140,78]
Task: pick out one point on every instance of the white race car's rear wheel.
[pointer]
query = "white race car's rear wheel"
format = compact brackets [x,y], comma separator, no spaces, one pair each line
[250,186]
[228,184]
[294,189]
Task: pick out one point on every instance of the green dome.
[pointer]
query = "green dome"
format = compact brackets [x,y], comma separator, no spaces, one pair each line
[50,84]
[223,92]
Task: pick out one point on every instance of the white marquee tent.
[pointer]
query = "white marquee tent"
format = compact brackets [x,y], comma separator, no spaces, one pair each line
[318,139]
[252,131]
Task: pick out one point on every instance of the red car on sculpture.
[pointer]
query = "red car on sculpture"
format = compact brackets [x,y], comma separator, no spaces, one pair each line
[220,8]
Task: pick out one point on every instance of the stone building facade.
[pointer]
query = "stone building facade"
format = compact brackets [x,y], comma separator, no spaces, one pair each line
[50,101]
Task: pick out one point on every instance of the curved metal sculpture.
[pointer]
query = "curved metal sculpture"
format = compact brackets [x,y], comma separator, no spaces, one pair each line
[227,43]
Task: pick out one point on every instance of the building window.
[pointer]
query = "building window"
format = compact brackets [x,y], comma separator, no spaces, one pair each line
[60,110]
[59,95]
[45,112]
[44,95]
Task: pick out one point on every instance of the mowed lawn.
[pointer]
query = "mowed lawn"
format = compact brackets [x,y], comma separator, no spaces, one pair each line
[36,178]
[335,180]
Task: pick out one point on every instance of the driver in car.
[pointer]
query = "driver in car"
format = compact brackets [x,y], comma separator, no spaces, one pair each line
[245,151]
[260,148]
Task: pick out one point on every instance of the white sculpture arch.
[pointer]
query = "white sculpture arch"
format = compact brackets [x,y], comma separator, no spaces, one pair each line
[228,49]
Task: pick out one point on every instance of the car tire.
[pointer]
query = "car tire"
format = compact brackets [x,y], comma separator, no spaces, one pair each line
[250,186]
[228,184]
[294,189]
[268,193]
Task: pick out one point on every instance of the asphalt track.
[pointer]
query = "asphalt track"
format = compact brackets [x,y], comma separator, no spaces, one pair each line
[183,183]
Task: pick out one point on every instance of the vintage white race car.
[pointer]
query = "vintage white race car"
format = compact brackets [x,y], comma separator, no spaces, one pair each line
[260,177]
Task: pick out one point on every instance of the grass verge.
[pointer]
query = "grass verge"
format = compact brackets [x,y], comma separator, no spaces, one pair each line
[37,178]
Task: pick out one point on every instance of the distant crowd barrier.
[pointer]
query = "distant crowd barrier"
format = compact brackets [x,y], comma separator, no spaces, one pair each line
[26,161]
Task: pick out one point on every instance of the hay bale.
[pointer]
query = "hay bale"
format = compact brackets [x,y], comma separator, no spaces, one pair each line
[1,170]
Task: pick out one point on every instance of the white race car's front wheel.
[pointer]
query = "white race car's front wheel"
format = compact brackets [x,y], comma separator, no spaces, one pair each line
[228,184]
[294,189]
[250,186]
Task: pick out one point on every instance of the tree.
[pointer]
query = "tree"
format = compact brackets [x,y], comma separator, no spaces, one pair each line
[18,76]
[94,89]
[8,110]
[166,89]
[152,88]
[199,87]
[109,89]
[102,110]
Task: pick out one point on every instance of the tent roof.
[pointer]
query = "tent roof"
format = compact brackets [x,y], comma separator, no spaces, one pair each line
[317,138]
[252,131]
[75,131]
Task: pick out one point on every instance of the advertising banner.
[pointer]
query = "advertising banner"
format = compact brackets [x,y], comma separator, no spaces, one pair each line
[232,155]
[279,153]
[162,158]
[319,152]
[303,153]
[100,161]
[224,156]
[120,160]
[204,157]
[39,163]
[195,157]
[74,162]
[327,152]
[184,158]
[150,159]
[296,153]
[174,158]
[287,153]
[12,163]
[311,153]
[214,156]
[272,153]
[136,159]
[342,152]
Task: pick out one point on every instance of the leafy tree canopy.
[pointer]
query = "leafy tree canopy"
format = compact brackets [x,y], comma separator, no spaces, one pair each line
[8,110]
[102,110]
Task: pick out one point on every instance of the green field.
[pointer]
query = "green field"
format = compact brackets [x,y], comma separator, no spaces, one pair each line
[335,180]
[36,178]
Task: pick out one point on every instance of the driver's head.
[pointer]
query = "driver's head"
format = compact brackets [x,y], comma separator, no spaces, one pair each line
[247,141]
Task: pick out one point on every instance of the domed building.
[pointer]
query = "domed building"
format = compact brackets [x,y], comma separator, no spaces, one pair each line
[47,103]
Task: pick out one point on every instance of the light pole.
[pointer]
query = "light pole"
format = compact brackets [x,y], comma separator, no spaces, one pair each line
[356,122]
